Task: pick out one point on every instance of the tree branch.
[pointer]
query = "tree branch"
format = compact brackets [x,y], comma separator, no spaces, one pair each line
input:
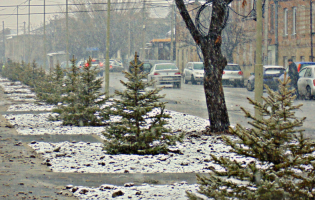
[189,23]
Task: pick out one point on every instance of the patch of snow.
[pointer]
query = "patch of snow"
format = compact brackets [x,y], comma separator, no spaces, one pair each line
[91,158]
[30,107]
[145,191]
[38,124]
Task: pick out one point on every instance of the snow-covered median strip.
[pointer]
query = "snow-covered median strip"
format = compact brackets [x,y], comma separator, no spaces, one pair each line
[30,107]
[145,191]
[38,124]
[84,157]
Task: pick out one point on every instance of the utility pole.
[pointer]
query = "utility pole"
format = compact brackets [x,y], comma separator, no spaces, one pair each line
[3,41]
[45,35]
[266,31]
[29,32]
[55,30]
[24,43]
[258,65]
[143,31]
[67,42]
[107,51]
[311,28]
[276,33]
[17,34]
[129,40]
[172,34]
[17,20]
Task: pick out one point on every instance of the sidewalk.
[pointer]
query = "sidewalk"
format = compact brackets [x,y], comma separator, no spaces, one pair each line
[22,176]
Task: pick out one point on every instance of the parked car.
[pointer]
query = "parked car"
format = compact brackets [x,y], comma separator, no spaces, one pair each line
[166,74]
[99,65]
[114,66]
[63,64]
[80,63]
[232,74]
[301,73]
[147,67]
[306,83]
[194,72]
[271,74]
[301,65]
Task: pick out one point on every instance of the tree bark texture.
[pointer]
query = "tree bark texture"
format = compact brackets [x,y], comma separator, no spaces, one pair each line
[214,62]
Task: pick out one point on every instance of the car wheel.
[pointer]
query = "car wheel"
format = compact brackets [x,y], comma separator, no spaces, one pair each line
[179,85]
[249,86]
[193,81]
[308,95]
[185,81]
[300,96]
[235,84]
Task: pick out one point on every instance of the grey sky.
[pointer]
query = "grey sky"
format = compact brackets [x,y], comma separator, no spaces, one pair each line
[37,6]
[36,19]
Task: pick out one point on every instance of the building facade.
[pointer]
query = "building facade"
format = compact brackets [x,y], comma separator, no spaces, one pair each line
[186,50]
[294,33]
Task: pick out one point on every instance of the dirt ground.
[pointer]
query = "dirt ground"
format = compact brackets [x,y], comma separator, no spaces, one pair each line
[22,176]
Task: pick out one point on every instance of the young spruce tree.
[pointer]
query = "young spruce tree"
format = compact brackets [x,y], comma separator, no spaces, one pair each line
[284,165]
[140,131]
[82,102]
[50,89]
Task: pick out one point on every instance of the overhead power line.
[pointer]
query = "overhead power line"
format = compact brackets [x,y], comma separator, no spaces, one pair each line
[78,11]
[79,4]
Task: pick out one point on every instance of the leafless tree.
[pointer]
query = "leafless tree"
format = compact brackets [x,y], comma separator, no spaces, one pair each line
[233,36]
[87,27]
[214,61]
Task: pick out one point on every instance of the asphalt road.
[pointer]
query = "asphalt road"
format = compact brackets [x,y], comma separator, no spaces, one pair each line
[190,99]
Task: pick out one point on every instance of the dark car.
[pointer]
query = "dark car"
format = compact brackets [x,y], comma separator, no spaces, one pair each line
[115,66]
[147,67]
[270,75]
[301,73]
[301,65]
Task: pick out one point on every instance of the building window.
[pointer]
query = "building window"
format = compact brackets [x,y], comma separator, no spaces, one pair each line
[302,59]
[238,54]
[239,6]
[293,58]
[294,21]
[285,18]
[244,53]
[269,57]
[250,56]
[311,58]
[285,61]
[272,11]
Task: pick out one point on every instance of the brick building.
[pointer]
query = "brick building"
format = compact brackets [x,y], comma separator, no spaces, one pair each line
[185,45]
[294,37]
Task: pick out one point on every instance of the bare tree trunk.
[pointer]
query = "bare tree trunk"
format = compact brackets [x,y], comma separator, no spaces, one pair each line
[214,63]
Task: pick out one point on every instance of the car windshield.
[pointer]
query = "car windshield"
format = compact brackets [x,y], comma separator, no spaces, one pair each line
[162,67]
[198,66]
[147,66]
[274,71]
[304,65]
[232,68]
[302,72]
